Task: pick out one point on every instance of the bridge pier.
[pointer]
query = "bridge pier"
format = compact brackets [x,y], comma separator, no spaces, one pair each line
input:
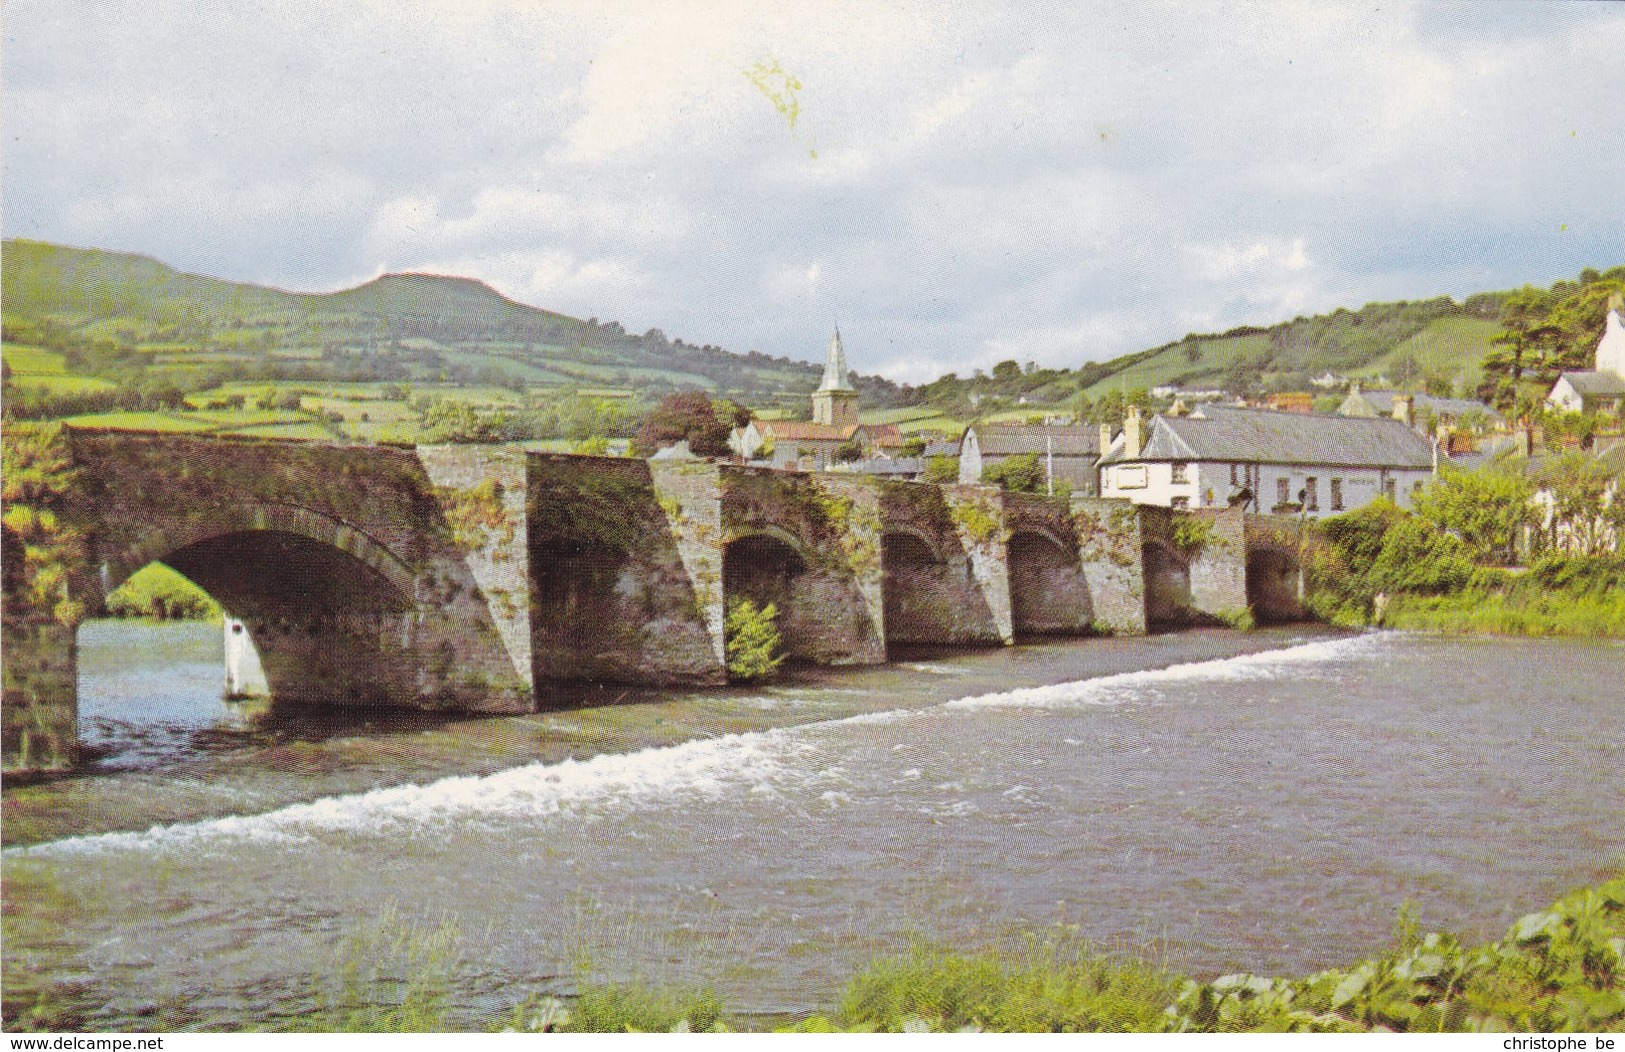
[942,584]
[625,561]
[1111,549]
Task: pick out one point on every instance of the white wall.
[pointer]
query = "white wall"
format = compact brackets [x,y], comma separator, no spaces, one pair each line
[1209,485]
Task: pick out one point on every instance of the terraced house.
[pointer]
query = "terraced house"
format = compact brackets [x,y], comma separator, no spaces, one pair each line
[1265,461]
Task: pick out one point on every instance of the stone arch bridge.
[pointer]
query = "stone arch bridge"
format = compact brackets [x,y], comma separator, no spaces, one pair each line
[471,578]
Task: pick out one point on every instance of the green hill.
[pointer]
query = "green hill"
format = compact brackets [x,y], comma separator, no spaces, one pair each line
[130,320]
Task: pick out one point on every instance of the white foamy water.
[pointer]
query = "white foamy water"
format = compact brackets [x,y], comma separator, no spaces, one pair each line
[659,777]
[1130,686]
[690,771]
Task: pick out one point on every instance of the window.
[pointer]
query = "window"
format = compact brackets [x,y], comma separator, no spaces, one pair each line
[1388,487]
[1311,502]
[1233,474]
[1181,474]
[1283,491]
[1180,502]
[1337,494]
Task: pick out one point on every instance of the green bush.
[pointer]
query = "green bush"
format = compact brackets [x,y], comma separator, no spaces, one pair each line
[754,641]
[941,469]
[1019,473]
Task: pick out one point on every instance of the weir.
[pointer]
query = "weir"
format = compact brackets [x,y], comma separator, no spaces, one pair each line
[474,578]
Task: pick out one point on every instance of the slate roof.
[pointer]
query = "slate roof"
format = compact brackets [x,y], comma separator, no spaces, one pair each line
[1382,403]
[1221,433]
[1069,440]
[1597,384]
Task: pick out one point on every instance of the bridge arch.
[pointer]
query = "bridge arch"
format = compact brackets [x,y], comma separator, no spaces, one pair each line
[329,610]
[1274,583]
[1048,593]
[1167,583]
[160,541]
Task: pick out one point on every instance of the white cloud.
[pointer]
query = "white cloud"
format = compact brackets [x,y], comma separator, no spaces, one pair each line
[1050,183]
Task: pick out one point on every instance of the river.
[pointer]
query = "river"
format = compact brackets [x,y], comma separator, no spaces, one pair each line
[1220,801]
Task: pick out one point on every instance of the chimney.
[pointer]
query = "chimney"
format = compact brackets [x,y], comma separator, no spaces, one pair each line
[1132,436]
[1402,409]
[1105,439]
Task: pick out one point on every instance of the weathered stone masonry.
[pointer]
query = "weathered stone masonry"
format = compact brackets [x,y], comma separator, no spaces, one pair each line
[469,578]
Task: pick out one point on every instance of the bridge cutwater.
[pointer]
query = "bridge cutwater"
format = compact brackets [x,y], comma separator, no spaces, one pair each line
[471,578]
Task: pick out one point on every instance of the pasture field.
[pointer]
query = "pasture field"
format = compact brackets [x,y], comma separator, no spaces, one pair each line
[1170,365]
[33,360]
[1455,347]
[179,423]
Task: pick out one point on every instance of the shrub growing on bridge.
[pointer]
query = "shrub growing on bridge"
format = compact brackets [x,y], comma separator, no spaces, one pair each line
[754,641]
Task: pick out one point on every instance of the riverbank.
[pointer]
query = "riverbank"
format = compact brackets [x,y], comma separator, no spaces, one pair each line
[1560,969]
[296,756]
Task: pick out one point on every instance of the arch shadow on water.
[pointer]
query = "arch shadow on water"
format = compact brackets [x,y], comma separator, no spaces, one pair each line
[328,629]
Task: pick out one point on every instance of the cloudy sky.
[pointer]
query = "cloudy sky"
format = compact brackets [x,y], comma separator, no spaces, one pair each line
[959,184]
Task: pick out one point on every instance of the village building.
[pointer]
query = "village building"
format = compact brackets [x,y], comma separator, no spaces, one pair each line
[1418,408]
[815,445]
[1068,453]
[1266,461]
[1586,391]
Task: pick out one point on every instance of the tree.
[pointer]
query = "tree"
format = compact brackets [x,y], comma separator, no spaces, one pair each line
[447,420]
[689,415]
[1587,502]
[1488,510]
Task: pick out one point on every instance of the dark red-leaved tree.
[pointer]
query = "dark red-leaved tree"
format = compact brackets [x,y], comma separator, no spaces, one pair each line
[687,415]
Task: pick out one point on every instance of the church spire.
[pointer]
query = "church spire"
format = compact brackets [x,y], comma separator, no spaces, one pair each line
[835,377]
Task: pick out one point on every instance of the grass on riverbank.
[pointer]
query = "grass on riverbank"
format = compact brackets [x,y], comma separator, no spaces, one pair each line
[1559,969]
[1495,613]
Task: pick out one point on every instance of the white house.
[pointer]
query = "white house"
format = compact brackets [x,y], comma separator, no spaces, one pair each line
[1600,388]
[1266,461]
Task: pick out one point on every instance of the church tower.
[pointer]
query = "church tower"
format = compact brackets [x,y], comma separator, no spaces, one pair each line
[1611,348]
[835,403]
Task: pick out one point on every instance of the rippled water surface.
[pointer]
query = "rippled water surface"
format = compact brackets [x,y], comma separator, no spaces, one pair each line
[1267,812]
